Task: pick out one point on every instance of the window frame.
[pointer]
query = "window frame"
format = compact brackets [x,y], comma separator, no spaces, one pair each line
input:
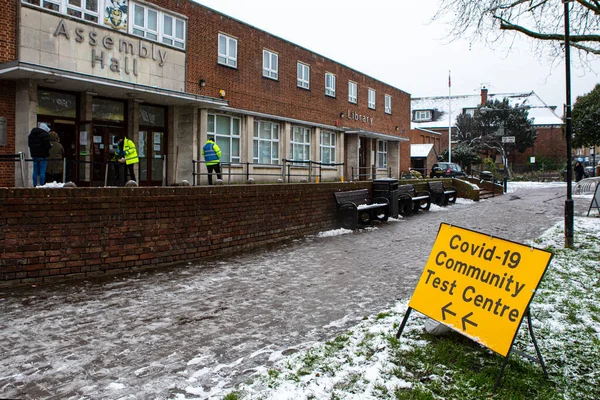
[330,84]
[173,37]
[230,61]
[231,137]
[273,143]
[83,10]
[372,99]
[388,104]
[352,97]
[304,144]
[303,69]
[331,146]
[145,29]
[269,71]
[422,115]
[382,151]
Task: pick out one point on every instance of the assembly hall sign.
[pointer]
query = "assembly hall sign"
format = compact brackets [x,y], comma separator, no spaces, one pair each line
[479,285]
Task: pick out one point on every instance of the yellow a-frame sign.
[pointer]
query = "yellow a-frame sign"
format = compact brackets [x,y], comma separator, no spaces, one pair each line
[479,285]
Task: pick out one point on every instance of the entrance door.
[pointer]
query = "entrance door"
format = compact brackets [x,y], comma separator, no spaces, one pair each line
[363,169]
[151,151]
[104,148]
[67,132]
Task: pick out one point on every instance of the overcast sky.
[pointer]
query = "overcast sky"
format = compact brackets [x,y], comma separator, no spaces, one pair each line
[395,42]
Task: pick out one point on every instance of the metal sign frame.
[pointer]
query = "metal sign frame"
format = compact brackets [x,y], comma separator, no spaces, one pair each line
[595,200]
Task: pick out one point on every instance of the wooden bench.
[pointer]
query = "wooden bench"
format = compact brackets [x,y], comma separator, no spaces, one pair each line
[440,194]
[356,207]
[411,201]
[548,177]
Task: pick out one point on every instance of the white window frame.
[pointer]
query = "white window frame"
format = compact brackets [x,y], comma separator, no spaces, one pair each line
[226,56]
[270,64]
[372,98]
[388,104]
[382,150]
[84,11]
[422,115]
[173,39]
[272,141]
[234,156]
[148,33]
[300,143]
[331,146]
[329,84]
[352,92]
[303,75]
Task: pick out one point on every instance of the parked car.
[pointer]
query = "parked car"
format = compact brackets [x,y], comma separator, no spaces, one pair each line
[447,170]
[588,171]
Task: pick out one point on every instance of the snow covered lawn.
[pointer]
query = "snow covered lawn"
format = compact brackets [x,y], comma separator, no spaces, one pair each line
[368,362]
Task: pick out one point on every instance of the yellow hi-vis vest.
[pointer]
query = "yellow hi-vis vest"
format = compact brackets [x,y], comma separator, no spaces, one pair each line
[131,156]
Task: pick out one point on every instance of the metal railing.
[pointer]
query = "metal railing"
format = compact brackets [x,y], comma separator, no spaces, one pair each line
[371,172]
[20,158]
[75,165]
[311,170]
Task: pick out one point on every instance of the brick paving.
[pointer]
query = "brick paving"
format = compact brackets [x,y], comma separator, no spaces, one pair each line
[193,331]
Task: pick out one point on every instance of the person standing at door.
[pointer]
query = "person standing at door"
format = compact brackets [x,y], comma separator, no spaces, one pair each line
[54,171]
[212,157]
[39,147]
[128,155]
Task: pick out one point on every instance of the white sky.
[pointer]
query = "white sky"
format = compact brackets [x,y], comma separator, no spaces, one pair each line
[394,41]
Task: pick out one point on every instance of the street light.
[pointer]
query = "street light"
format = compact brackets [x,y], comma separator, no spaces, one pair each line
[569,133]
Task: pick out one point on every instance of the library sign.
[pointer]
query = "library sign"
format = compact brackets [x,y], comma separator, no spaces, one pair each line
[479,285]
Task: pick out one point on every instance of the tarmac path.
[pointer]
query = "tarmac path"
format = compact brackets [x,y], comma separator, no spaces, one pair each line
[195,330]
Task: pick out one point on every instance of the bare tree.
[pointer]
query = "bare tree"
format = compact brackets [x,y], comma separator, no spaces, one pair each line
[491,21]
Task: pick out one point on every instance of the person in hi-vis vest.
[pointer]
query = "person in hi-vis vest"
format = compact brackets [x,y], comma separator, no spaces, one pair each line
[129,156]
[212,157]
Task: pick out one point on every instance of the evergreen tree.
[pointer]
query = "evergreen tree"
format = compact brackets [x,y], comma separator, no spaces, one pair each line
[586,119]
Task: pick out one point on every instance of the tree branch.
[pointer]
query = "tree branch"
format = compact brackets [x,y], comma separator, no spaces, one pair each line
[508,26]
[586,48]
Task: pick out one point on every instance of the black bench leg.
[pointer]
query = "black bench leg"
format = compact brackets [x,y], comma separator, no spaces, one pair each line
[348,219]
[405,207]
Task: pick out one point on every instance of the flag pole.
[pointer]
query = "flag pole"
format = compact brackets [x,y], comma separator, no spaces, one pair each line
[449,118]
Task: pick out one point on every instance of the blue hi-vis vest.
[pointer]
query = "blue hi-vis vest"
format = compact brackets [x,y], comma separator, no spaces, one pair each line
[210,154]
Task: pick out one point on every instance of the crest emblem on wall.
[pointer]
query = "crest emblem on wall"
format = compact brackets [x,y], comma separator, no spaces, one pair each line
[115,14]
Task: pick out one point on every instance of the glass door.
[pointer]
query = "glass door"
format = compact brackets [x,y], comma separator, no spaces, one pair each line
[151,151]
[84,154]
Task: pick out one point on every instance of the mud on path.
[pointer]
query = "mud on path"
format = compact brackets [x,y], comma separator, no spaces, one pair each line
[196,330]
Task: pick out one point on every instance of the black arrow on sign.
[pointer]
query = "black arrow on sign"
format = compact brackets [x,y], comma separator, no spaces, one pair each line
[445,310]
[466,320]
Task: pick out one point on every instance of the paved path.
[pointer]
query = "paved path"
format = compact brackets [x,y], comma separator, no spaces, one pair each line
[189,331]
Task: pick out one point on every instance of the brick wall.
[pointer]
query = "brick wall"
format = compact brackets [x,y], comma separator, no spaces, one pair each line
[7,110]
[8,33]
[55,234]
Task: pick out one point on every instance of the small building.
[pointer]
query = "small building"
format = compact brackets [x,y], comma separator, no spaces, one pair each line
[430,121]
[168,75]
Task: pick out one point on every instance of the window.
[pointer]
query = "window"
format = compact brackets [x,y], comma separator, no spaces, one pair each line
[388,104]
[300,144]
[225,131]
[327,147]
[381,154]
[423,115]
[352,92]
[372,98]
[303,76]
[270,64]
[173,31]
[469,111]
[330,84]
[145,22]
[227,50]
[83,9]
[266,143]
[53,5]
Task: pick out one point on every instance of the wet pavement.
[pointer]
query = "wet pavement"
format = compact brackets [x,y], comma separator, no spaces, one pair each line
[195,330]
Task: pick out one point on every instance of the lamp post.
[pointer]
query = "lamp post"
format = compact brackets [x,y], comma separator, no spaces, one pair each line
[569,133]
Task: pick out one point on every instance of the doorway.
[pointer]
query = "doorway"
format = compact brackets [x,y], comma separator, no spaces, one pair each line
[363,170]
[151,146]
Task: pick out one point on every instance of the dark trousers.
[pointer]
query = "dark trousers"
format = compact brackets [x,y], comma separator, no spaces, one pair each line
[129,172]
[216,168]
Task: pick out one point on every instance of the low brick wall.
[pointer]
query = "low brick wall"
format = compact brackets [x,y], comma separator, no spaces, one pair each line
[56,234]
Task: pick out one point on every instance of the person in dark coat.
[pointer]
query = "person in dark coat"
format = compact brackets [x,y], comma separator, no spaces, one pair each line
[54,170]
[578,171]
[39,147]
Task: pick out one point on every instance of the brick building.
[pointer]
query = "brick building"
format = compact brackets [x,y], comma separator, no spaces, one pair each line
[430,120]
[168,74]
